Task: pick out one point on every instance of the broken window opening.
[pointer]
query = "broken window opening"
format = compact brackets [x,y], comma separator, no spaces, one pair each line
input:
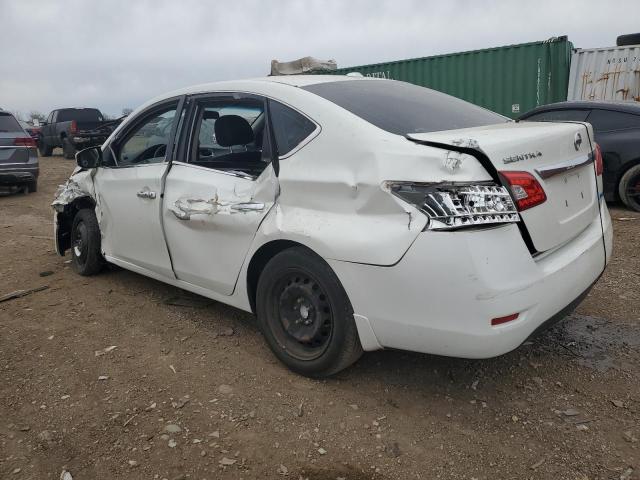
[229,136]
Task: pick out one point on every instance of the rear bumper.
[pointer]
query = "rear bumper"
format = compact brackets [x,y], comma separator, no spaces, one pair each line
[16,175]
[440,298]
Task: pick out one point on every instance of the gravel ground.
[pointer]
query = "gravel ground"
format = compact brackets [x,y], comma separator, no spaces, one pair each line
[103,378]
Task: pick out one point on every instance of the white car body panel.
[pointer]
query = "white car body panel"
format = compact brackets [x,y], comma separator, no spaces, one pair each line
[210,220]
[448,299]
[410,288]
[129,223]
[572,197]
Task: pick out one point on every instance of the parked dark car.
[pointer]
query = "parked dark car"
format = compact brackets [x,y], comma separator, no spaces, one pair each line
[74,129]
[18,156]
[616,128]
[32,130]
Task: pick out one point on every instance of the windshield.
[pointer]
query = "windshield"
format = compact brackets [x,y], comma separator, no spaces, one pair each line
[79,115]
[404,108]
[8,123]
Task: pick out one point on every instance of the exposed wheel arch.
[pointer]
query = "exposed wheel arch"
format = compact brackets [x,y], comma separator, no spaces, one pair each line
[65,221]
[259,260]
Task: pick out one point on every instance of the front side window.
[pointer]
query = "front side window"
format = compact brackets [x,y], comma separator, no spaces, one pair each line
[290,127]
[148,141]
[228,135]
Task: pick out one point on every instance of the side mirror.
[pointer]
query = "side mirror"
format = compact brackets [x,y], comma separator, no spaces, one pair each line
[89,157]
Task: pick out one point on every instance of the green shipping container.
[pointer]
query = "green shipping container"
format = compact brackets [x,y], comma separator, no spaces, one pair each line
[509,80]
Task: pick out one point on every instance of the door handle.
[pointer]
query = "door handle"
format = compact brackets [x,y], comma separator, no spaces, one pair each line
[248,207]
[146,194]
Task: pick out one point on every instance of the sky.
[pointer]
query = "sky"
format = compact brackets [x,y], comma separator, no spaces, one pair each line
[116,54]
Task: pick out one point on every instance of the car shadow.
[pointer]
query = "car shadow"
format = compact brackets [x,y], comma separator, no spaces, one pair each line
[585,342]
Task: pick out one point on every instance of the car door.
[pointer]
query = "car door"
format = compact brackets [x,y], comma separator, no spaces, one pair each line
[219,188]
[617,134]
[129,191]
[46,130]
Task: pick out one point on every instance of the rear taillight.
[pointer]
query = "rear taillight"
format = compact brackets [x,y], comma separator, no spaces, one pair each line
[25,142]
[525,188]
[451,206]
[599,166]
[74,127]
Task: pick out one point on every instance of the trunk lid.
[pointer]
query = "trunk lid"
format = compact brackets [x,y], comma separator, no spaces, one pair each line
[9,151]
[558,155]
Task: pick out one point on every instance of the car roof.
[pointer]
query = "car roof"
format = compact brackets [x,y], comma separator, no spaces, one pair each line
[293,80]
[627,107]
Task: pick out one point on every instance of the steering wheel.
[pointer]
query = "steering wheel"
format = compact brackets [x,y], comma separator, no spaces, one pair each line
[154,151]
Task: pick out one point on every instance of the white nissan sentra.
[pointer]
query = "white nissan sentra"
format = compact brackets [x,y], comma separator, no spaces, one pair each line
[349,214]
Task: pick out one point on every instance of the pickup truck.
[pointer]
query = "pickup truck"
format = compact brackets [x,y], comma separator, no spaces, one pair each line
[74,129]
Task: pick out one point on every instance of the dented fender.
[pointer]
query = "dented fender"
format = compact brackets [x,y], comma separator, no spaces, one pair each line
[77,188]
[79,184]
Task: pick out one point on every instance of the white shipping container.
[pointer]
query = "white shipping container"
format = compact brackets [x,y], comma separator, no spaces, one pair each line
[610,74]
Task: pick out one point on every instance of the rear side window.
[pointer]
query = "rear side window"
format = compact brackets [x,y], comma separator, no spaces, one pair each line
[8,123]
[290,127]
[559,116]
[79,115]
[403,108]
[606,120]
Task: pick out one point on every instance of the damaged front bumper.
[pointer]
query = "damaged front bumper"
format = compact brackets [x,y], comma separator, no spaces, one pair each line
[442,296]
[78,186]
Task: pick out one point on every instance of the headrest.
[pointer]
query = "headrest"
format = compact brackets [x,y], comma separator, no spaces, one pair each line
[233,130]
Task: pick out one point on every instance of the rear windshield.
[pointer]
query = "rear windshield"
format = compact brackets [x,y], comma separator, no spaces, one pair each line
[8,123]
[403,108]
[79,115]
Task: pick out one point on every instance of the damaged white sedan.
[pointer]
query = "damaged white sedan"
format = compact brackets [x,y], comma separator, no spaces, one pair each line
[348,214]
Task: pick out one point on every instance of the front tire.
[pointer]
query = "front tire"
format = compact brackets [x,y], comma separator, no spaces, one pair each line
[68,150]
[86,258]
[305,314]
[629,188]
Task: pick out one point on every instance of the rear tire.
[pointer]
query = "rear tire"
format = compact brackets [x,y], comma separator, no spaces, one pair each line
[629,188]
[32,187]
[86,258]
[44,149]
[68,150]
[305,314]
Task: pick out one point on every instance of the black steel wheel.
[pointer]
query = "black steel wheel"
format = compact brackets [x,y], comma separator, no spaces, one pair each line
[629,188]
[304,320]
[305,314]
[86,258]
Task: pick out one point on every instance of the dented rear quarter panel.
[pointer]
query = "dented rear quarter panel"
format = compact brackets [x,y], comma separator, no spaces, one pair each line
[332,197]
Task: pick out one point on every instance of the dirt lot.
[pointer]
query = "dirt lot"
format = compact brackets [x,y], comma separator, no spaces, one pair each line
[192,392]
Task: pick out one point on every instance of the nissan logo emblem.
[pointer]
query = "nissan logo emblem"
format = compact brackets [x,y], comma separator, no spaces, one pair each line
[577,141]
